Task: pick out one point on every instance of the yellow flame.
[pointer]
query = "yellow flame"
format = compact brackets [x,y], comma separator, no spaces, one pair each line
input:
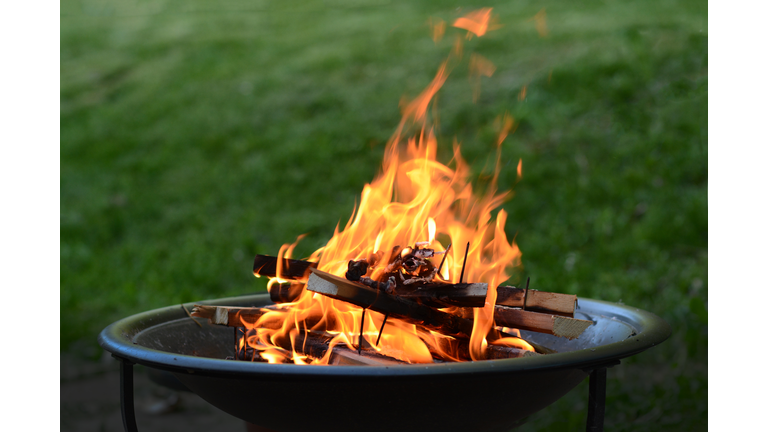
[514,342]
[432,229]
[378,242]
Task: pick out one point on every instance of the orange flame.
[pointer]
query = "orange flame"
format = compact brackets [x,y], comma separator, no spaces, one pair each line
[438,29]
[476,22]
[508,122]
[414,199]
[479,66]
[514,342]
[521,95]
[541,22]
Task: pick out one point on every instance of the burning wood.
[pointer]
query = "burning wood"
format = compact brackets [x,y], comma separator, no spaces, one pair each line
[470,295]
[411,275]
[460,348]
[431,293]
[379,301]
[232,316]
[313,345]
[423,315]
[237,316]
[265,265]
[408,266]
[417,304]
[498,352]
[285,293]
[443,322]
[344,356]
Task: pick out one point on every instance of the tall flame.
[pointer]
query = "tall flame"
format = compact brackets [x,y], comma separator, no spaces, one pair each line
[414,199]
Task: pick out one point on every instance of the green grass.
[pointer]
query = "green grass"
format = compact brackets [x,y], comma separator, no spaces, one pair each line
[194,136]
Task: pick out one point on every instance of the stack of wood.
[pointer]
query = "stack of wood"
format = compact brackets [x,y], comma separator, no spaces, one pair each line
[410,290]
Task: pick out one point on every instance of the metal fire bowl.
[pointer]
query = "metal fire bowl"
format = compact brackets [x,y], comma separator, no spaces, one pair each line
[485,395]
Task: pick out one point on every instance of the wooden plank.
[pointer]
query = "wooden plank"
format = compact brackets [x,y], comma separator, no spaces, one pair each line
[536,301]
[231,316]
[379,301]
[497,352]
[557,325]
[285,293]
[446,295]
[265,265]
[435,295]
[237,316]
[342,355]
[316,345]
[460,349]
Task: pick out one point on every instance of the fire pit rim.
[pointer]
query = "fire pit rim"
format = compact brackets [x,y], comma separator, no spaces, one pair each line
[118,338]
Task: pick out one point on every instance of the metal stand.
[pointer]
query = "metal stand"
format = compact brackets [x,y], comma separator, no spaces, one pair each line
[596,406]
[126,395]
[596,413]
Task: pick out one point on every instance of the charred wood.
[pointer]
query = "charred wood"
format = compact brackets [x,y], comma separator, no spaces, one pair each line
[407,310]
[421,289]
[460,349]
[285,293]
[265,265]
[444,295]
[316,346]
[379,301]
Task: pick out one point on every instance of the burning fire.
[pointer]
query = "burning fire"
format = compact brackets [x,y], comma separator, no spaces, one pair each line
[414,199]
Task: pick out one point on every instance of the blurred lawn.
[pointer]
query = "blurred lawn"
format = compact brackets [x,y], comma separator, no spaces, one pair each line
[195,135]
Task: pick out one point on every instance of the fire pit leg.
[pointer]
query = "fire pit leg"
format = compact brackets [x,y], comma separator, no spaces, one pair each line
[126,395]
[596,413]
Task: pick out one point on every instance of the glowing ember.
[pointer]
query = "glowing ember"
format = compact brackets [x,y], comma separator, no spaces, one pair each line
[414,209]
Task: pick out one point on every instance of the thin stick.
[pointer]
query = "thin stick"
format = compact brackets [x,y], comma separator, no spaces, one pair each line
[525,296]
[360,339]
[381,330]
[190,316]
[461,278]
[448,249]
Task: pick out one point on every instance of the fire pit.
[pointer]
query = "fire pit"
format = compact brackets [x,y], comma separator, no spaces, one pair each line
[483,395]
[389,326]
